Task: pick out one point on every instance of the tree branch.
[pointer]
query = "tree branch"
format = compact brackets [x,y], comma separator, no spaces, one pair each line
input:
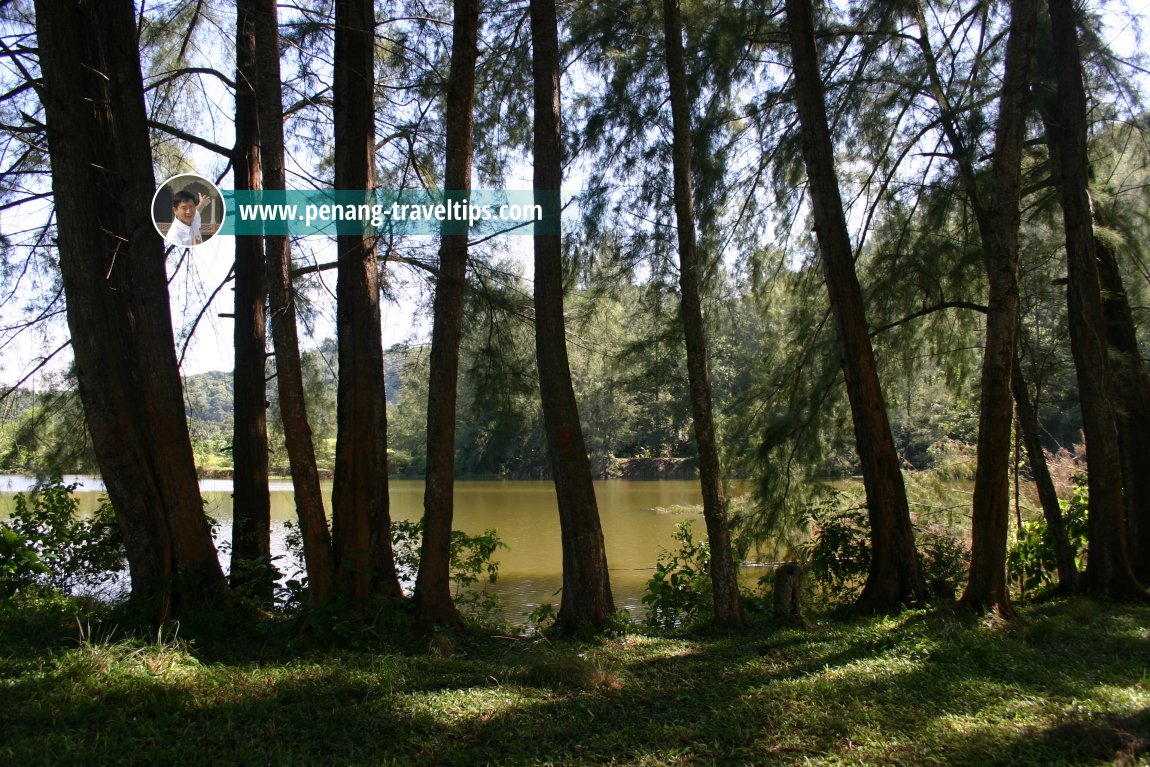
[930,310]
[185,136]
[12,389]
[204,310]
[175,74]
[315,100]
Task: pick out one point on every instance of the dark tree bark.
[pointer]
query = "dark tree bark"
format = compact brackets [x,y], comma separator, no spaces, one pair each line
[586,585]
[1047,495]
[1132,393]
[986,586]
[1108,565]
[281,303]
[724,570]
[361,523]
[895,576]
[994,467]
[433,584]
[113,267]
[251,501]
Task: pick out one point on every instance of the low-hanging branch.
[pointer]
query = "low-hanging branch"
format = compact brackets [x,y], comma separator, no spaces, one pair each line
[929,310]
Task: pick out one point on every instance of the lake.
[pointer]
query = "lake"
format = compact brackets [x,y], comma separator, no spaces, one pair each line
[639,519]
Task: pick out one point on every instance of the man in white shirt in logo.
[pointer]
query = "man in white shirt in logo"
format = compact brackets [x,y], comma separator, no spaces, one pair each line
[185,229]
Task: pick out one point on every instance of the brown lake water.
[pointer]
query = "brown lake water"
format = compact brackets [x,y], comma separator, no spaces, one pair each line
[638,517]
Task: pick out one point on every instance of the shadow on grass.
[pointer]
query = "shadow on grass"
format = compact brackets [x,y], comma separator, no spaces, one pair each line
[1064,686]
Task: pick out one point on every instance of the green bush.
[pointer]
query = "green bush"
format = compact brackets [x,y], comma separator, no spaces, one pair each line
[20,565]
[472,563]
[838,553]
[78,554]
[1031,561]
[945,558]
[679,593]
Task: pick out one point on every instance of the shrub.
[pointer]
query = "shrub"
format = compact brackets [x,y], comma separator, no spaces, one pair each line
[20,565]
[1031,561]
[472,563]
[838,554]
[945,558]
[78,553]
[679,593]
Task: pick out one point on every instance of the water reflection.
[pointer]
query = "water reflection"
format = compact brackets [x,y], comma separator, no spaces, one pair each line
[638,519]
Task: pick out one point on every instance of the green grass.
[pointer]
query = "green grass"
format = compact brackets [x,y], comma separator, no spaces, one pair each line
[1068,683]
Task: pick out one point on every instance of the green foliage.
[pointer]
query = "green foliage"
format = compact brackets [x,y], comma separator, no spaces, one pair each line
[256,578]
[20,565]
[77,553]
[945,559]
[44,431]
[679,593]
[472,564]
[838,554]
[1031,561]
[542,617]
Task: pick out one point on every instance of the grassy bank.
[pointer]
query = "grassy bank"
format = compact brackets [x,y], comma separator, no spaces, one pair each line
[1069,683]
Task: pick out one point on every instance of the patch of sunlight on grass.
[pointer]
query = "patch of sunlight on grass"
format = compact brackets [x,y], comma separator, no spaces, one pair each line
[1111,697]
[456,707]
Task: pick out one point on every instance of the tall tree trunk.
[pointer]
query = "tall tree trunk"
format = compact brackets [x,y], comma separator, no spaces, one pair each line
[724,572]
[317,550]
[1108,566]
[433,584]
[1132,392]
[986,586]
[895,576]
[586,585]
[251,501]
[986,222]
[361,523]
[1047,496]
[113,267]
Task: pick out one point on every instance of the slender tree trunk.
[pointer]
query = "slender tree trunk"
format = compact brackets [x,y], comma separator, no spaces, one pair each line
[987,225]
[251,501]
[281,303]
[1108,566]
[895,576]
[1132,392]
[586,585]
[113,266]
[986,586]
[361,523]
[433,584]
[1047,495]
[724,571]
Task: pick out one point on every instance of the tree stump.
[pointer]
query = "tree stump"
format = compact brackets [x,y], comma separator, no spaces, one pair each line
[789,593]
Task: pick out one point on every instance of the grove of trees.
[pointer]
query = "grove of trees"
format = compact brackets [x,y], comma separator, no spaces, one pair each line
[806,241]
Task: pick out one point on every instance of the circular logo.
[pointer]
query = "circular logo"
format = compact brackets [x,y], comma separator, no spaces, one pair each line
[187,210]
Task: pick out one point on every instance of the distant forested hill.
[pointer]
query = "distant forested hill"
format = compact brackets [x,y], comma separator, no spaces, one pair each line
[208,397]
